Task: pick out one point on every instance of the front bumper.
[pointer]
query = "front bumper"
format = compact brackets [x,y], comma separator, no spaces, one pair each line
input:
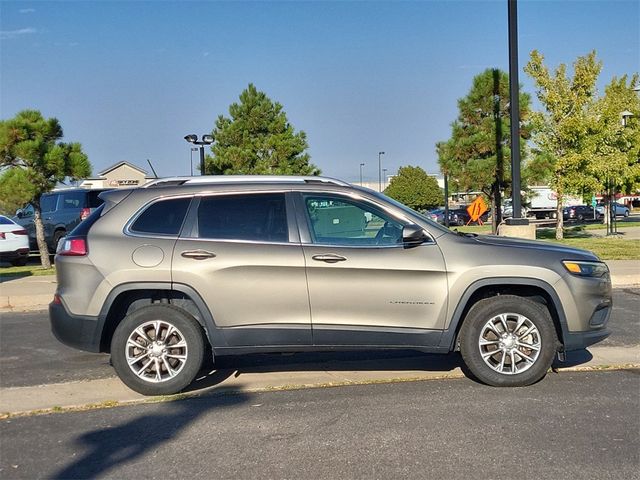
[81,332]
[581,340]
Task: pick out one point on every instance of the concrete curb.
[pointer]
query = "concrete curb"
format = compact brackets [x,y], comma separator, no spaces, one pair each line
[111,392]
[22,303]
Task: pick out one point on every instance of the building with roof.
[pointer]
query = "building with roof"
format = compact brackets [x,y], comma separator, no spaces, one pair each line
[121,174]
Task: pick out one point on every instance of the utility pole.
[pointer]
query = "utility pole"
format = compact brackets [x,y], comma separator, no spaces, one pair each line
[380,171]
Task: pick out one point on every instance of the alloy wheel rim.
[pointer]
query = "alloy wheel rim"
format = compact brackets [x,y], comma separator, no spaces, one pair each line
[509,343]
[156,351]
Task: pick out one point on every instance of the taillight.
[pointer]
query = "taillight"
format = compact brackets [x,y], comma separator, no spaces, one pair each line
[19,232]
[75,247]
[85,213]
[2,236]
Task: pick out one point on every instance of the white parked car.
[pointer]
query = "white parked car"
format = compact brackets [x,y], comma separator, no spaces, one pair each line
[621,210]
[14,242]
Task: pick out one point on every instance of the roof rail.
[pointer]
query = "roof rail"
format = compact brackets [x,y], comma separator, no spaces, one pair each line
[225,179]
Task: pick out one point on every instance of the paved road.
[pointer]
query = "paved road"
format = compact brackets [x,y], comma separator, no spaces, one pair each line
[572,425]
[30,355]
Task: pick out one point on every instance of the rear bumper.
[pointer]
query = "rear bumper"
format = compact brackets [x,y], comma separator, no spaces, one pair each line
[76,331]
[13,255]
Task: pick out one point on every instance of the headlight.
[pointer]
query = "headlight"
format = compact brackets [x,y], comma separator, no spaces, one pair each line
[586,269]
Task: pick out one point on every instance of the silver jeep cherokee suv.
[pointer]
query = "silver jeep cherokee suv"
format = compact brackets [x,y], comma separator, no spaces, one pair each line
[160,275]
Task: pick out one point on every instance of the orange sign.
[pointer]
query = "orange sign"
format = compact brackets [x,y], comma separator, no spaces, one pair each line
[476,209]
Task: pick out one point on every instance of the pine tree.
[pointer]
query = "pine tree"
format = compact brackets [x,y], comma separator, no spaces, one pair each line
[30,142]
[476,157]
[258,140]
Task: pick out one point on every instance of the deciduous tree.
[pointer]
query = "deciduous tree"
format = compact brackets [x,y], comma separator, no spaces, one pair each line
[415,188]
[566,127]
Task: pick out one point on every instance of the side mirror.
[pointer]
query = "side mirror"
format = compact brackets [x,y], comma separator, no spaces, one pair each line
[19,213]
[413,235]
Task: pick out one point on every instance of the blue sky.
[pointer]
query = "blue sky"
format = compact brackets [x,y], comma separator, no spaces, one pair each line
[129,79]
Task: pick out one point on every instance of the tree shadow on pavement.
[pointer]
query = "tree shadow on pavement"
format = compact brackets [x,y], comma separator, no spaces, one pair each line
[110,447]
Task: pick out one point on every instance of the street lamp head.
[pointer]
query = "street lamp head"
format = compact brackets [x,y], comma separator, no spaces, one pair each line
[191,138]
[380,153]
[207,139]
[362,164]
[626,115]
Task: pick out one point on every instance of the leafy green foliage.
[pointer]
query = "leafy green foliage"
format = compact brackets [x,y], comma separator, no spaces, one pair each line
[615,144]
[258,140]
[413,187]
[564,131]
[30,143]
[15,190]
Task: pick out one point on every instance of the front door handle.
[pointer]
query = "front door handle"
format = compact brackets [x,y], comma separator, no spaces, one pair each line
[329,258]
[198,254]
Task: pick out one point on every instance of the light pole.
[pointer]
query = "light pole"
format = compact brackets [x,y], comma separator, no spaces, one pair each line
[193,149]
[384,178]
[380,171]
[361,165]
[206,140]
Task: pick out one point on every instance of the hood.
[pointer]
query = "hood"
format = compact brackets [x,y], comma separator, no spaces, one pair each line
[569,252]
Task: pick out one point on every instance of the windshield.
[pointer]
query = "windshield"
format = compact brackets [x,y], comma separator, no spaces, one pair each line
[410,211]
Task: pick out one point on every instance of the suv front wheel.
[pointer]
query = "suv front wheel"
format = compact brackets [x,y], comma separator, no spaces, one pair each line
[508,341]
[157,350]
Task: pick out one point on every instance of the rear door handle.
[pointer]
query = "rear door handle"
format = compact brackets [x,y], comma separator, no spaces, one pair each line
[329,258]
[198,254]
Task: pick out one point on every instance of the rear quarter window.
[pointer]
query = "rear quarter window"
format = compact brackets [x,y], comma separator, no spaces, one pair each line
[93,201]
[163,217]
[48,202]
[72,200]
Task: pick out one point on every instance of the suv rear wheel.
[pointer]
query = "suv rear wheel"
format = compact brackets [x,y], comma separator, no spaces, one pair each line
[508,341]
[157,350]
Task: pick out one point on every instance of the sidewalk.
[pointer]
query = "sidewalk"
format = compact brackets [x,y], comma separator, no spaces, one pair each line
[111,391]
[35,293]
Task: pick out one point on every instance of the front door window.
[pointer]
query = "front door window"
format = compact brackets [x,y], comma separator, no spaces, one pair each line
[339,221]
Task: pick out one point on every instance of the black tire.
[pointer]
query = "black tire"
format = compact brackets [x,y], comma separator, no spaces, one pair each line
[475,327]
[187,329]
[626,213]
[20,262]
[58,234]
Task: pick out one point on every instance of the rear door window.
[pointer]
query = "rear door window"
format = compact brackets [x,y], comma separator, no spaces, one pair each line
[164,217]
[48,203]
[255,217]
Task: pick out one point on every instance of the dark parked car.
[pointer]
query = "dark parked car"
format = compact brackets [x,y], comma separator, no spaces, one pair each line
[460,216]
[61,210]
[578,212]
[437,215]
